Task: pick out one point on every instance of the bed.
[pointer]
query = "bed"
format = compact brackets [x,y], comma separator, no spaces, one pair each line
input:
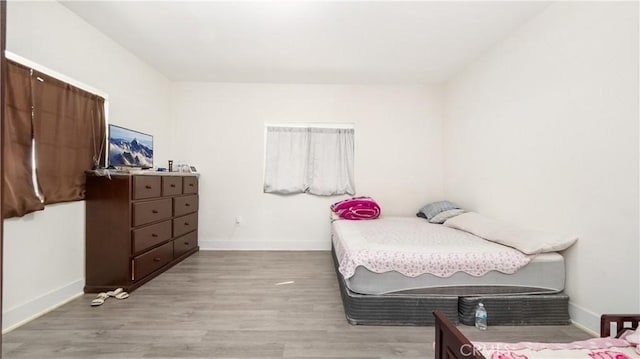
[404,254]
[396,270]
[450,343]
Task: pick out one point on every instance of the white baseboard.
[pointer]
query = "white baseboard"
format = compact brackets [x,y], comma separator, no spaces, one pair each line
[585,319]
[264,245]
[21,314]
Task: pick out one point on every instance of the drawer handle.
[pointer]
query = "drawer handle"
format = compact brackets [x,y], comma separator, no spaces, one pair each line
[187,204]
[154,235]
[155,211]
[172,185]
[186,243]
[190,184]
[156,259]
[147,187]
[186,223]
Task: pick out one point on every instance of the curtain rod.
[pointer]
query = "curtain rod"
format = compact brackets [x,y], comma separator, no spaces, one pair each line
[312,125]
[34,65]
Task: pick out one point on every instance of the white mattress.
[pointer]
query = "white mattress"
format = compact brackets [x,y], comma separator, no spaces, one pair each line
[543,274]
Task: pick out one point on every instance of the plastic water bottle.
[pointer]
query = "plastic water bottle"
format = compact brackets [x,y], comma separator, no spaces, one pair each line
[481,317]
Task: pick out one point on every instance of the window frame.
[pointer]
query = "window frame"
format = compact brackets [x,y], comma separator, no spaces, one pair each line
[308,125]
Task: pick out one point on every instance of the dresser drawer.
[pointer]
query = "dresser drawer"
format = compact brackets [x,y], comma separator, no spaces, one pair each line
[149,236]
[171,185]
[189,184]
[146,187]
[184,205]
[147,263]
[185,243]
[185,224]
[151,211]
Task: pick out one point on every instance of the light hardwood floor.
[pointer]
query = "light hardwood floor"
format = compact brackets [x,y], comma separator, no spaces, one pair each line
[228,304]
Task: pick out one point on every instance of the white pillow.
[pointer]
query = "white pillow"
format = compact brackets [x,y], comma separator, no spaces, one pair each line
[525,240]
[443,216]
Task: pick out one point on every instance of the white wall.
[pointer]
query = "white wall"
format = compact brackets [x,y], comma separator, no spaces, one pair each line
[543,131]
[219,128]
[44,251]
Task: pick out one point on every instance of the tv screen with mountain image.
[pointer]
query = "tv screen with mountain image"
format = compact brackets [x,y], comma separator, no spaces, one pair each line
[129,148]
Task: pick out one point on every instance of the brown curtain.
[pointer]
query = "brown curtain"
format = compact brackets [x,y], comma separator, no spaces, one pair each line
[69,133]
[19,195]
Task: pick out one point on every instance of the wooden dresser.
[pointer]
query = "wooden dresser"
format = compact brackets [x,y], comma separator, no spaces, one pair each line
[138,226]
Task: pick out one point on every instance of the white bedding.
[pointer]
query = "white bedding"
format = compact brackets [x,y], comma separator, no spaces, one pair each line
[413,246]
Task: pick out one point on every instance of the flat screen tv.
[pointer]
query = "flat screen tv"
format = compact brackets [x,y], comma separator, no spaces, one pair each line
[129,148]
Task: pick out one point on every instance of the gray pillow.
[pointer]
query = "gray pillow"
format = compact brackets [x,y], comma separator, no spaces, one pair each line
[432,209]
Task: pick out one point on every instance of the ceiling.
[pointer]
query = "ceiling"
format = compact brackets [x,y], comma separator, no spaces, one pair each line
[393,42]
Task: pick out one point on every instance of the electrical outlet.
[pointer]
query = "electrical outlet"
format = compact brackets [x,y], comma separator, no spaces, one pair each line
[238,219]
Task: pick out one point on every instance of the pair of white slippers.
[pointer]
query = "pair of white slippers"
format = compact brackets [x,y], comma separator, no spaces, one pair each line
[118,294]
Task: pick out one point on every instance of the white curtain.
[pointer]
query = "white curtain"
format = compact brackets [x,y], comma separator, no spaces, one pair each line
[330,164]
[309,159]
[286,160]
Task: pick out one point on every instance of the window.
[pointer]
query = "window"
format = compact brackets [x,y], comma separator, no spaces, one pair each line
[55,125]
[314,159]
